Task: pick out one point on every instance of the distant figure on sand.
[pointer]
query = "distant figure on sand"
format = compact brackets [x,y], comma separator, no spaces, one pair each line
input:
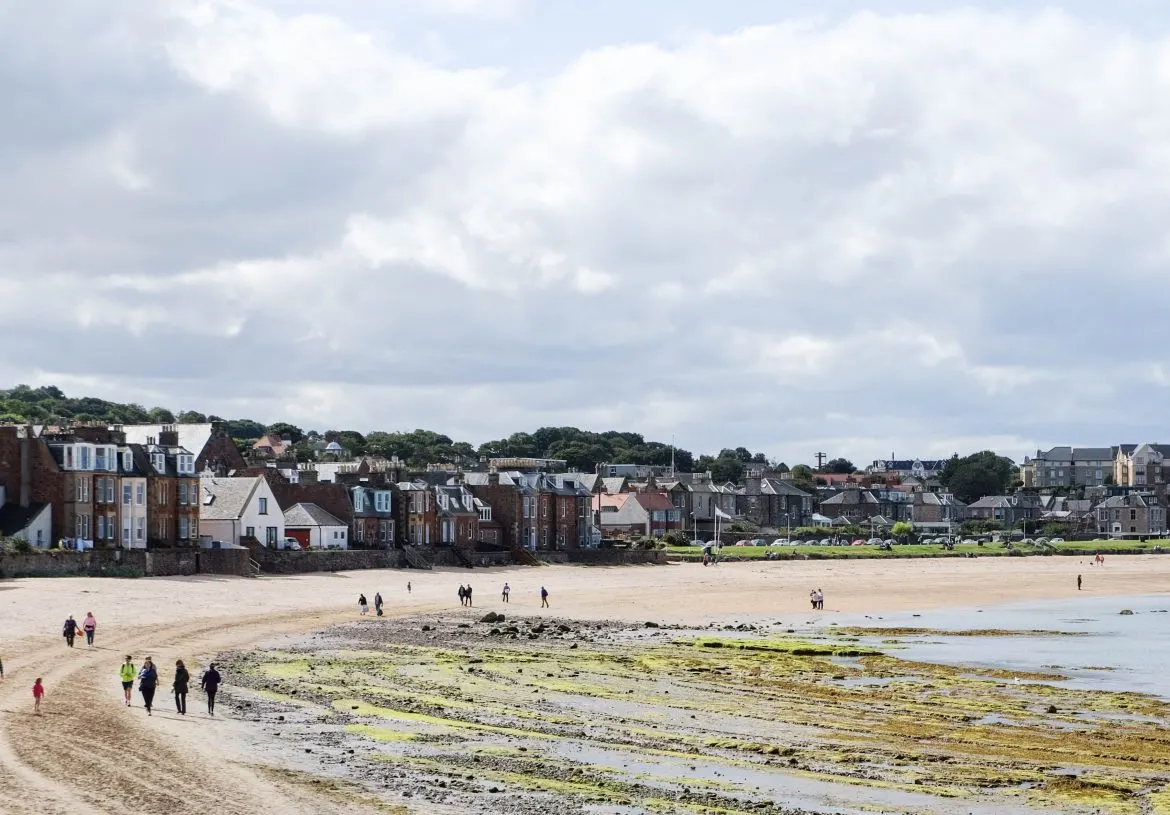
[69,630]
[378,604]
[127,674]
[363,605]
[182,677]
[1078,582]
[507,591]
[543,597]
[462,595]
[210,684]
[812,598]
[408,587]
[38,695]
[147,683]
[89,626]
[469,594]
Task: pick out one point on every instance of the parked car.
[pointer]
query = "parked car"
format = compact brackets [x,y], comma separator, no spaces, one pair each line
[826,542]
[874,541]
[1057,540]
[780,542]
[697,542]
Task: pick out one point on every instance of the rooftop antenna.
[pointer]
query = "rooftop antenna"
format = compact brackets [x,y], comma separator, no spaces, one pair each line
[672,455]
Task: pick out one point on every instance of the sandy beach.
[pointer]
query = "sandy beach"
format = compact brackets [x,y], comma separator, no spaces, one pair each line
[88,754]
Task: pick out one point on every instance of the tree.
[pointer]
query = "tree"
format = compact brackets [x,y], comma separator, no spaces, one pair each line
[192,417]
[803,478]
[901,528]
[160,415]
[978,475]
[840,465]
[780,467]
[285,431]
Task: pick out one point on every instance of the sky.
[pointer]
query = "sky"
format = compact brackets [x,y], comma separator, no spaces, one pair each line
[863,228]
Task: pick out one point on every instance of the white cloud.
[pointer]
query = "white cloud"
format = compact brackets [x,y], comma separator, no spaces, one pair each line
[923,230]
[477,8]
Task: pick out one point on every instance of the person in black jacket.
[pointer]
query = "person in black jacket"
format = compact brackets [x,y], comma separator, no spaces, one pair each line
[210,686]
[182,677]
[70,630]
[147,682]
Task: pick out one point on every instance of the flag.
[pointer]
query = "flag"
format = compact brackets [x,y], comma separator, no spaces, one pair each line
[721,514]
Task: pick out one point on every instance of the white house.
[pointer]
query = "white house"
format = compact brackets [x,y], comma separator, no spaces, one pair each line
[315,528]
[233,508]
[32,523]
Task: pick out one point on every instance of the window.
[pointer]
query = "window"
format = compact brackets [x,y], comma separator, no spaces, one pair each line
[359,500]
[544,508]
[127,494]
[101,527]
[127,532]
[110,490]
[140,529]
[341,534]
[184,528]
[140,494]
[100,459]
[186,464]
[194,529]
[159,462]
[382,501]
[128,462]
[270,533]
[84,457]
[485,513]
[182,494]
[85,527]
[264,508]
[162,495]
[564,508]
[249,531]
[69,457]
[1133,515]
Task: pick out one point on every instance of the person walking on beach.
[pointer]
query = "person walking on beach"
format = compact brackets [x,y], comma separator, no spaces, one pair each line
[507,591]
[69,630]
[182,678]
[812,598]
[408,587]
[38,695]
[462,595]
[89,626]
[1078,582]
[147,682]
[469,595]
[210,684]
[820,599]
[378,603]
[127,673]
[543,597]
[363,605]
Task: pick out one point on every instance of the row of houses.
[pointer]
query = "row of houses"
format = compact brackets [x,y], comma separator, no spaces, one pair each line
[1123,465]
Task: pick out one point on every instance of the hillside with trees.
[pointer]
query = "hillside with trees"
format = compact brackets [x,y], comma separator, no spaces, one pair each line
[582,449]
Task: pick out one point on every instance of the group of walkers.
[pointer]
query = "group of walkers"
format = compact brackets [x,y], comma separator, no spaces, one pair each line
[364,606]
[148,680]
[464,593]
[817,598]
[71,628]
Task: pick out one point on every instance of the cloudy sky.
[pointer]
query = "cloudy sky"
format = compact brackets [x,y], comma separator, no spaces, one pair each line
[856,226]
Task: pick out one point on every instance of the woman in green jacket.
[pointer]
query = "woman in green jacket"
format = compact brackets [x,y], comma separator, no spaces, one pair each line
[127,673]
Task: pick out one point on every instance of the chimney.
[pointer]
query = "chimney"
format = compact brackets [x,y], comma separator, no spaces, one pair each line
[168,436]
[493,479]
[26,450]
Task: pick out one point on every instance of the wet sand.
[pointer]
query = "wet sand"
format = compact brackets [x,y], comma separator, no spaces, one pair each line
[89,754]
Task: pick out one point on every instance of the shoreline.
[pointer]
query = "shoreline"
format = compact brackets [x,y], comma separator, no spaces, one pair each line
[195,618]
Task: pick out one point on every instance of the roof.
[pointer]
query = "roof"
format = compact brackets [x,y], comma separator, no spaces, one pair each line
[992,501]
[617,499]
[15,518]
[224,499]
[778,486]
[612,485]
[1092,453]
[192,436]
[654,501]
[299,515]
[848,497]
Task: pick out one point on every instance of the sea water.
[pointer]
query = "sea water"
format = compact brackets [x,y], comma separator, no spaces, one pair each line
[1113,651]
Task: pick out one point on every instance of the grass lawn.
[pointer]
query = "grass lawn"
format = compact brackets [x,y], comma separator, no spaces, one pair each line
[919,550]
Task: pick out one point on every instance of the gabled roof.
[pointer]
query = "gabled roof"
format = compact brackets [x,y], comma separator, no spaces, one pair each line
[225,499]
[850,498]
[654,501]
[192,436]
[614,485]
[14,518]
[299,515]
[779,486]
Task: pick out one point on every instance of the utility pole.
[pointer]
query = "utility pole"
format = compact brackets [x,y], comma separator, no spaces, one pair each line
[821,462]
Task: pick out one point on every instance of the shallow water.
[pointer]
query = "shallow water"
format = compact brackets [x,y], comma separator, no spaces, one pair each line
[1116,653]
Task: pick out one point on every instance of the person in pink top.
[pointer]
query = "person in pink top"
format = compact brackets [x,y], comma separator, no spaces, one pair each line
[38,695]
[89,626]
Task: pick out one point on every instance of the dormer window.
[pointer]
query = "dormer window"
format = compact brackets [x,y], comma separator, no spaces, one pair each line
[69,458]
[159,462]
[186,464]
[359,500]
[128,462]
[381,501]
[84,457]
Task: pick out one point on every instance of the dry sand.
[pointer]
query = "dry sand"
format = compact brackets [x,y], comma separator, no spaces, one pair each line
[89,754]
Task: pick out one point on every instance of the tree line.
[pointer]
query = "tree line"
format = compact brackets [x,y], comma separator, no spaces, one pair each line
[969,478]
